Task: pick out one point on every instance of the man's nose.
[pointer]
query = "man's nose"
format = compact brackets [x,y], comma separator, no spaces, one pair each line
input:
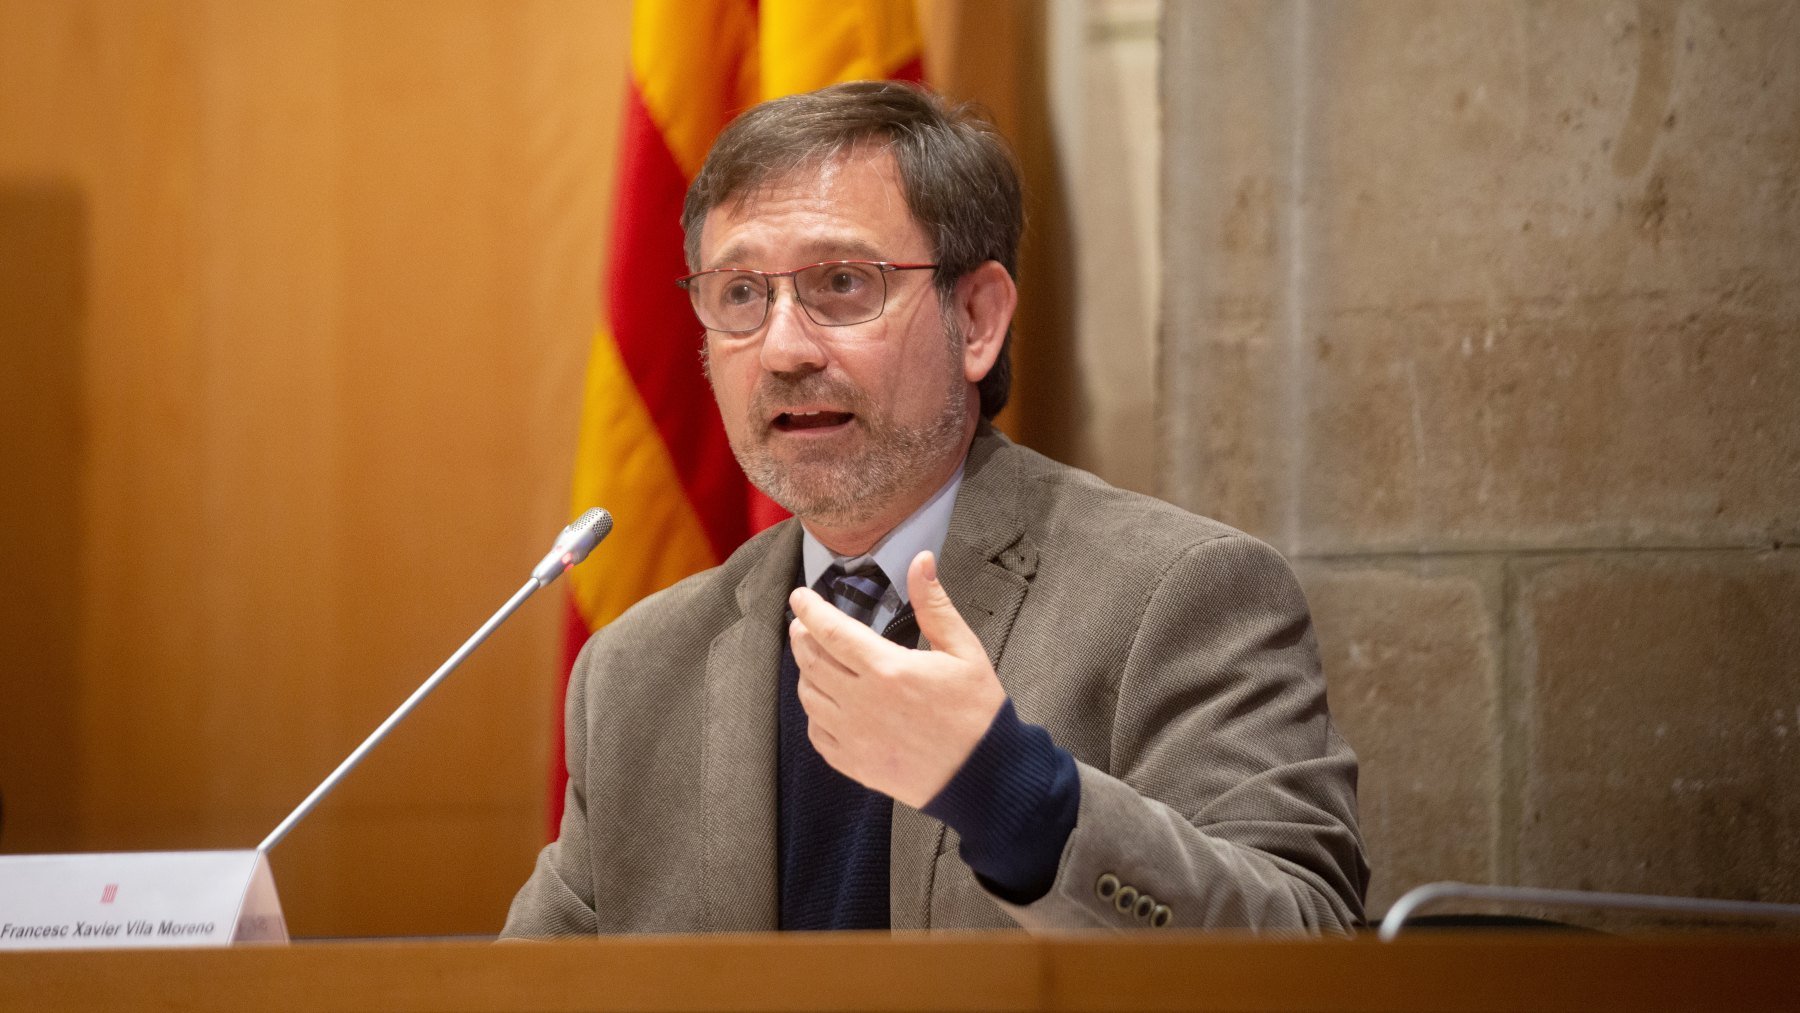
[791,341]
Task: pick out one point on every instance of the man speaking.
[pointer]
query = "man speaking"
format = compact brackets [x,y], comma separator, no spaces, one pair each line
[965,686]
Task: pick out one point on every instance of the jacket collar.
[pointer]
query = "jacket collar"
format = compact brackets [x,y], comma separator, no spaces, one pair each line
[987,565]
[738,872]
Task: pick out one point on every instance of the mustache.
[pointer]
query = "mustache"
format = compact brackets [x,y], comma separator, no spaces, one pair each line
[776,391]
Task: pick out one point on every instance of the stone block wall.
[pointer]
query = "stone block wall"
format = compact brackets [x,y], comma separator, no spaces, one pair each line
[1489,317]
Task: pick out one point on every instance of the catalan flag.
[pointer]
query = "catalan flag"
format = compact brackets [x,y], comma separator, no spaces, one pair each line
[652,449]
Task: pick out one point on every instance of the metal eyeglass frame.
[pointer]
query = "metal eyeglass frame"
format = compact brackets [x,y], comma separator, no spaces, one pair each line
[885,268]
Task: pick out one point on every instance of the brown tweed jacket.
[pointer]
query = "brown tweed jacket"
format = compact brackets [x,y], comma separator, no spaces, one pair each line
[1173,656]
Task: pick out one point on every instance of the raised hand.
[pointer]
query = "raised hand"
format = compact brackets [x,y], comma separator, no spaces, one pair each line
[898,721]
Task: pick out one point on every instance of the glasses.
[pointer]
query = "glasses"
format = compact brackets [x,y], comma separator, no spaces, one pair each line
[837,293]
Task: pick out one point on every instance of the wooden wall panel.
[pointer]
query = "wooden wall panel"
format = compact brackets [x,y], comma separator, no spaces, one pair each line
[296,302]
[43,285]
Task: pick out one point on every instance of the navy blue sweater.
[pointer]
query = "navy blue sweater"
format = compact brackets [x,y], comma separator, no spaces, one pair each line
[1013,804]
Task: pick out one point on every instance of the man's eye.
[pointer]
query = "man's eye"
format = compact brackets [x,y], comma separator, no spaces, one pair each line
[842,281]
[739,292]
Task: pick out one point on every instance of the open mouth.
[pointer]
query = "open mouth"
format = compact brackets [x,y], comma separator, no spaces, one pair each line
[797,422]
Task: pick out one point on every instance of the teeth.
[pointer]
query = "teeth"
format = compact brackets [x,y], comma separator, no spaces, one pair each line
[806,416]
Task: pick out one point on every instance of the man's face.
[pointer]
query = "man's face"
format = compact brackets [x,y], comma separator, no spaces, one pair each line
[843,426]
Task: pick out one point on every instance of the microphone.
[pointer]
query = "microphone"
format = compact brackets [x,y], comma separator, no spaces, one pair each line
[571,547]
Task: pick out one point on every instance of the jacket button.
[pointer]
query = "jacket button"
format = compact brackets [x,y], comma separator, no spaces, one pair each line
[1126,899]
[1162,916]
[1106,886]
[1145,905]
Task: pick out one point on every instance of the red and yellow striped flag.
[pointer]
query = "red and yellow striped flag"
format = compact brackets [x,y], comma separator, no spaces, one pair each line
[652,449]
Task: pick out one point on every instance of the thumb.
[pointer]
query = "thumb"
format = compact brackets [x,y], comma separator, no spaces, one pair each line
[937,615]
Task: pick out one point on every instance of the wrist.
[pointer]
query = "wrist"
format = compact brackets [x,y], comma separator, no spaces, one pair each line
[1013,803]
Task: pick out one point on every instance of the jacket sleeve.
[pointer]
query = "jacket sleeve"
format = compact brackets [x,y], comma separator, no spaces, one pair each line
[558,899]
[1228,799]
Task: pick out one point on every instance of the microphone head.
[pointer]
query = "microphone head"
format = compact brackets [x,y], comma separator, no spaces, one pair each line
[573,545]
[595,520]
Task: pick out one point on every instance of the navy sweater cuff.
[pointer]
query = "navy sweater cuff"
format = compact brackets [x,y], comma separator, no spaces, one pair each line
[1014,804]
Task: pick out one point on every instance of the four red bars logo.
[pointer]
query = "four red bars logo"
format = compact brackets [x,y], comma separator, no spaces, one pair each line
[107,895]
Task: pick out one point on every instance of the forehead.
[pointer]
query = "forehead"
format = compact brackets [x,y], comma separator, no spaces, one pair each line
[848,207]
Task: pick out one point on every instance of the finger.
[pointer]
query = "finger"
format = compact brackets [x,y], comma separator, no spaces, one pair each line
[814,698]
[822,740]
[812,659]
[937,615]
[856,647]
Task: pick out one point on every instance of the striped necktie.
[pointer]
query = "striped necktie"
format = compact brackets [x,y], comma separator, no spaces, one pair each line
[856,593]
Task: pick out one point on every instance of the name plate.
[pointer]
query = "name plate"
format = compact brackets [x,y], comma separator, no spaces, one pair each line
[138,899]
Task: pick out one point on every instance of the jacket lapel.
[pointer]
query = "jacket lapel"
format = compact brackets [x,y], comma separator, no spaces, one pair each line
[738,876]
[986,567]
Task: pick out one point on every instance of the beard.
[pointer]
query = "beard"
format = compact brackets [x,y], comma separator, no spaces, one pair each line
[827,485]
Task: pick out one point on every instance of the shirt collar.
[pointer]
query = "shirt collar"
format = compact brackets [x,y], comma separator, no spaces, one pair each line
[924,529]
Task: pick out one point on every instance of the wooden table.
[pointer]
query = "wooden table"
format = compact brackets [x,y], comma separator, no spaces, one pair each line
[854,971]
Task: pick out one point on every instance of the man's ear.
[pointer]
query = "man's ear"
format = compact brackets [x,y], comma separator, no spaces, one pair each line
[985,300]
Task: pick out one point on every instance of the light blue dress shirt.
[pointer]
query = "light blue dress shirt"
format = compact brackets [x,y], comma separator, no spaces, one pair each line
[924,529]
